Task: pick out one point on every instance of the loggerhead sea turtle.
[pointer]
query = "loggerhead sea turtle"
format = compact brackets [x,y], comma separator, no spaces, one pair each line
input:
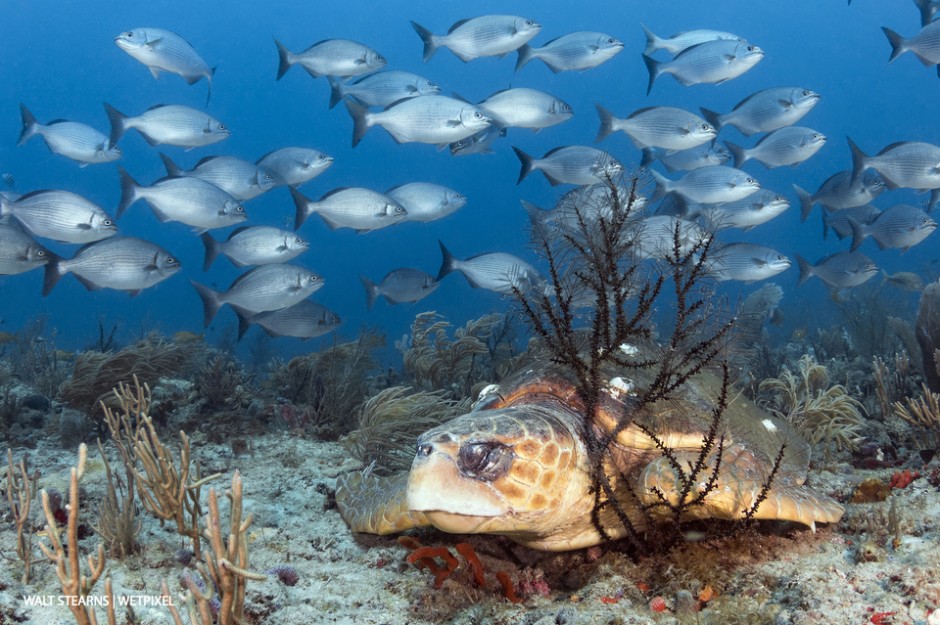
[517,465]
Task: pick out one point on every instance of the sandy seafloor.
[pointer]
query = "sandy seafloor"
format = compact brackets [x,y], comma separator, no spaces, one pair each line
[781,575]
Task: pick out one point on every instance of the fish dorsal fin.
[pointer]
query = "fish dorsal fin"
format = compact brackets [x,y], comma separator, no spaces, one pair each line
[553,151]
[205,160]
[893,146]
[58,121]
[334,192]
[29,195]
[238,231]
[458,24]
[157,106]
[645,109]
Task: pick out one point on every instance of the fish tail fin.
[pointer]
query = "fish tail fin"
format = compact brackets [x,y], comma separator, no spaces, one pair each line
[652,40]
[372,291]
[738,154]
[52,273]
[536,215]
[336,90]
[30,125]
[653,67]
[662,185]
[607,123]
[859,159]
[825,224]
[525,55]
[284,59]
[648,156]
[209,84]
[806,202]
[130,191]
[172,169]
[212,250]
[360,116]
[806,270]
[448,262]
[711,117]
[210,301]
[898,45]
[428,38]
[118,122]
[302,204]
[528,164]
[859,232]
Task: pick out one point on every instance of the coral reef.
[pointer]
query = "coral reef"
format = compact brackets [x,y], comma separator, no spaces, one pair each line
[927,328]
[95,374]
[825,414]
[478,353]
[328,386]
[390,422]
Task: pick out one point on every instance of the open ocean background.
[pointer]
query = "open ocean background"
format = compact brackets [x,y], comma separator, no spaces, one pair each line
[58,58]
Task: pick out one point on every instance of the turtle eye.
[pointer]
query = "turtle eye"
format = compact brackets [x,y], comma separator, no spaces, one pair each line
[484,460]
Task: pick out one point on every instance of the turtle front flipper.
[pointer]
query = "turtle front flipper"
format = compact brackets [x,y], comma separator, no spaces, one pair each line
[376,505]
[735,491]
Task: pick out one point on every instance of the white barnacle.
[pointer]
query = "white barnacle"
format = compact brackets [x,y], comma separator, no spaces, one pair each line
[629,350]
[486,391]
[770,425]
[618,387]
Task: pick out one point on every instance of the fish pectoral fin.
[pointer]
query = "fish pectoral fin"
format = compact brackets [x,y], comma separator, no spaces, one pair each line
[453,123]
[785,104]
[83,226]
[155,73]
[134,293]
[760,262]
[730,58]
[151,44]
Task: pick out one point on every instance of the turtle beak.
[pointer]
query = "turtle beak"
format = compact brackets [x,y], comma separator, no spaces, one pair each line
[452,501]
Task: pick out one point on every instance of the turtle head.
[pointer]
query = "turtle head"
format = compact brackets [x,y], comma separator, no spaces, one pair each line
[514,471]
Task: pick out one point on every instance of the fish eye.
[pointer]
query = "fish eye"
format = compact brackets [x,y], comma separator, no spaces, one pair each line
[221,126]
[432,84]
[40,253]
[610,40]
[528,22]
[171,261]
[379,57]
[706,127]
[129,33]
[268,177]
[108,222]
[750,181]
[239,209]
[806,92]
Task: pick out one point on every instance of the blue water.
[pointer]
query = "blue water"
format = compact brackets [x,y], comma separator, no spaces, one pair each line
[59,59]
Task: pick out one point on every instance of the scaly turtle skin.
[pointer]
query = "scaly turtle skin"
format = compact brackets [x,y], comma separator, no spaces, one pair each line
[518,465]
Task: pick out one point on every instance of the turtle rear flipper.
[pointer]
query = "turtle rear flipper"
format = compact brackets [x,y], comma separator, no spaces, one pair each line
[735,492]
[376,505]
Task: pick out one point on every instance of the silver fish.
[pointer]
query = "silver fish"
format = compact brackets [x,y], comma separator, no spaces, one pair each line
[786,146]
[494,271]
[425,201]
[766,110]
[841,270]
[241,179]
[839,220]
[488,35]
[686,39]
[525,108]
[358,208]
[586,205]
[400,285]
[925,44]
[173,124]
[382,88]
[908,164]
[305,320]
[161,49]
[191,201]
[840,191]
[18,251]
[264,288]
[901,226]
[904,280]
[572,52]
[711,62]
[434,119]
[479,143]
[664,127]
[655,237]
[60,216]
[254,245]
[119,263]
[295,166]
[331,57]
[704,155]
[745,214]
[70,139]
[573,164]
[708,185]
[746,262]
